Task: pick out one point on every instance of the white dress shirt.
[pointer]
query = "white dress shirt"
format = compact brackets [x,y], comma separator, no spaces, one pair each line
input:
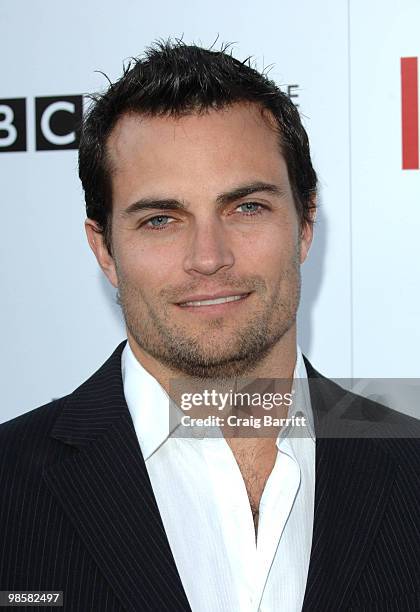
[205,509]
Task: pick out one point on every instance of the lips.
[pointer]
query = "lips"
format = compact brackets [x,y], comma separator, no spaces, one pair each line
[212,300]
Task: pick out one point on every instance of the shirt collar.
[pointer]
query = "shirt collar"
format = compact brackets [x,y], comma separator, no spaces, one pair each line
[301,405]
[149,404]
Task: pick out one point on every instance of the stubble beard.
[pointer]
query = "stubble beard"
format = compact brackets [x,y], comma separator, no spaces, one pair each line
[199,355]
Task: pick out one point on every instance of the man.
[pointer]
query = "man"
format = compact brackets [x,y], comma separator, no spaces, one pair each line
[200,196]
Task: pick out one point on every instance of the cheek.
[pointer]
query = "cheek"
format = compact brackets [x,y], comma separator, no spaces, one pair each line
[269,252]
[146,269]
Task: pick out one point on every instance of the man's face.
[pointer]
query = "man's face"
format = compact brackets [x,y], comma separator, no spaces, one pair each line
[202,210]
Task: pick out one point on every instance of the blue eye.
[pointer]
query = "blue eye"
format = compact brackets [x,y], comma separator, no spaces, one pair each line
[157,221]
[251,207]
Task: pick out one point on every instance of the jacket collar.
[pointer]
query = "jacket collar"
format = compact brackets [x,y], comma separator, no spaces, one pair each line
[94,406]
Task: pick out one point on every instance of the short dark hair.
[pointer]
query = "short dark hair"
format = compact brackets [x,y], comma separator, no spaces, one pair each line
[173,78]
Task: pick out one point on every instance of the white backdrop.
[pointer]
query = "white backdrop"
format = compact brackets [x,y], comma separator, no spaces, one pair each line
[360,303]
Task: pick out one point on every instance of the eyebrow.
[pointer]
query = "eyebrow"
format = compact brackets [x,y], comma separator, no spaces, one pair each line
[222,199]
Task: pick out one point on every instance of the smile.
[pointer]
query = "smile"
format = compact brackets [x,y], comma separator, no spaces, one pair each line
[215,301]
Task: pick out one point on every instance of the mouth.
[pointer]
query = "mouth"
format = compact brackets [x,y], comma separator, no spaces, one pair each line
[213,304]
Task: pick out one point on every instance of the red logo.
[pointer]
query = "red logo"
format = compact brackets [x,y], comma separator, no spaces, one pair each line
[410,113]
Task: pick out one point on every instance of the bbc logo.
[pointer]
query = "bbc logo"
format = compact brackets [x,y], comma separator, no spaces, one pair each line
[57,123]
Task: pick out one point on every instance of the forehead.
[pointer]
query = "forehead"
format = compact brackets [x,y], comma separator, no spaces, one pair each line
[223,145]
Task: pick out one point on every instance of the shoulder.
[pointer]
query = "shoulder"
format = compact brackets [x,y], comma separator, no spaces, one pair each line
[25,441]
[354,416]
[32,423]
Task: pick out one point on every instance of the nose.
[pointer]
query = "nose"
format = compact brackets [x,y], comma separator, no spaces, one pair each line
[209,249]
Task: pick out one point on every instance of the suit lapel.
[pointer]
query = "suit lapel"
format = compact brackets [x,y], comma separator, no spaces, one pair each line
[105,490]
[353,481]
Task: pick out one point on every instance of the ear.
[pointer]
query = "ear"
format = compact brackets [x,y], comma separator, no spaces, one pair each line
[96,241]
[307,232]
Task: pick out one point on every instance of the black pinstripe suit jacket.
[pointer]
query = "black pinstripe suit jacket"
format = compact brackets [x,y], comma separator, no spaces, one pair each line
[78,512]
